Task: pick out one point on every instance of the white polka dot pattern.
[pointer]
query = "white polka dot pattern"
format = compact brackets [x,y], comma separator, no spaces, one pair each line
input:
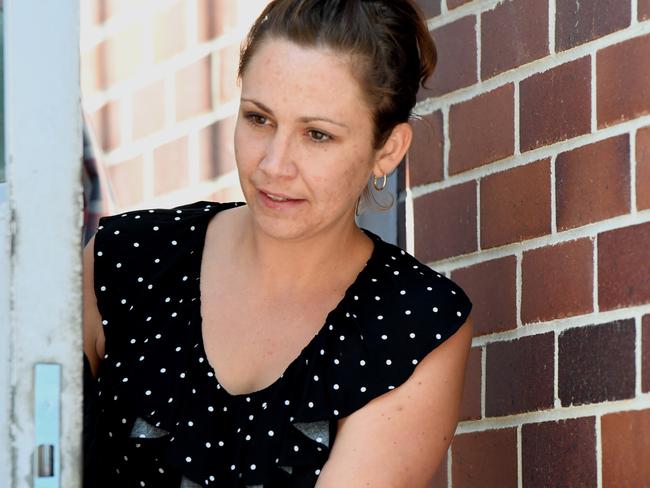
[394,313]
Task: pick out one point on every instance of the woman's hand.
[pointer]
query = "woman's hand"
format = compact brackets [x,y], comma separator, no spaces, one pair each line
[398,439]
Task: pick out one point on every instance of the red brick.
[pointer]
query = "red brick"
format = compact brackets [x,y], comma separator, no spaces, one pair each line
[644,10]
[452,4]
[516,204]
[592,182]
[559,454]
[479,282]
[626,449]
[622,74]
[149,110]
[216,149]
[107,126]
[171,171]
[486,459]
[91,69]
[585,377]
[470,407]
[482,130]
[93,13]
[127,181]
[228,83]
[645,354]
[107,9]
[514,33]
[169,32]
[643,168]
[456,67]
[579,22]
[445,222]
[215,17]
[624,267]
[194,89]
[122,55]
[440,477]
[425,158]
[557,281]
[430,8]
[555,105]
[519,375]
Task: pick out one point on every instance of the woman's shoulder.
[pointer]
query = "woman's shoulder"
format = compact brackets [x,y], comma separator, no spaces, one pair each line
[134,220]
[125,230]
[404,288]
[396,313]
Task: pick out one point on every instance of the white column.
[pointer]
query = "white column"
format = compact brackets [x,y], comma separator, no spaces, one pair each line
[40,268]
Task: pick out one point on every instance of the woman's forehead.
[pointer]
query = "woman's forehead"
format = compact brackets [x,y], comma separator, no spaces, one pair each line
[284,73]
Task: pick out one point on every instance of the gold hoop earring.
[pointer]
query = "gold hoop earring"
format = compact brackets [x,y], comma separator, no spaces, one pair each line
[383,183]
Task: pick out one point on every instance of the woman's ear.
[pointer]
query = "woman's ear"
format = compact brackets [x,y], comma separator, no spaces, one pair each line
[393,151]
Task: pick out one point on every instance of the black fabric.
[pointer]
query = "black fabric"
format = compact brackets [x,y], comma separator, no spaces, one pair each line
[147,267]
[89,425]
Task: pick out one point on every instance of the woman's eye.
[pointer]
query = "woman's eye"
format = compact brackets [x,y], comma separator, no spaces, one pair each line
[318,136]
[256,119]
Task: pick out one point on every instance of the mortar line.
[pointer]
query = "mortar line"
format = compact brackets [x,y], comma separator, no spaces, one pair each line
[552,8]
[560,324]
[534,67]
[590,231]
[533,155]
[517,119]
[554,414]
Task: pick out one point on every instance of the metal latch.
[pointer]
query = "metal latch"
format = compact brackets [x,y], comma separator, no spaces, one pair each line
[47,418]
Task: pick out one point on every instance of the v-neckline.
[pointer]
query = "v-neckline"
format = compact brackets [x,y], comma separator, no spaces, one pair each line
[214,209]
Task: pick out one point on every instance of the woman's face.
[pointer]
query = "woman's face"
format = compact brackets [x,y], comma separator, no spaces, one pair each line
[303,139]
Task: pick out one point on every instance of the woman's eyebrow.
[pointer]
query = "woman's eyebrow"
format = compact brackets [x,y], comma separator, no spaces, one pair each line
[301,119]
[324,119]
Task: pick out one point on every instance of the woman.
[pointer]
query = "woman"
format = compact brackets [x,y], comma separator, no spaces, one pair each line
[274,343]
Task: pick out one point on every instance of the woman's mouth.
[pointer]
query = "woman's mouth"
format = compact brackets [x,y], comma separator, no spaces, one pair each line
[275,200]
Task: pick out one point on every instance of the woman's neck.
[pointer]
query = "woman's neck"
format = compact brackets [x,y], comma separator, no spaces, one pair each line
[333,254]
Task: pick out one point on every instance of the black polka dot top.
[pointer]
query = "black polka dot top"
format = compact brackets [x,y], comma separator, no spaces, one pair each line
[163,418]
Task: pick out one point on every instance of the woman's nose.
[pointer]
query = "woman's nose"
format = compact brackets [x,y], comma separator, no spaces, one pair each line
[278,157]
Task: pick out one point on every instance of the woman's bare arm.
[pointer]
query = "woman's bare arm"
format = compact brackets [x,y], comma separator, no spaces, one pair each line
[92,321]
[398,439]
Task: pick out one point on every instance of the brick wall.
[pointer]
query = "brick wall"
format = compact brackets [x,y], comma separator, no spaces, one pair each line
[529,185]
[159,90]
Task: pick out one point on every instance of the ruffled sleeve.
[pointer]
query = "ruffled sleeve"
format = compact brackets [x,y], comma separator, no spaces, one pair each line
[398,312]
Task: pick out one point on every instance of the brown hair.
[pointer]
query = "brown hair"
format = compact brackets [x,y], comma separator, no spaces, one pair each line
[388,41]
